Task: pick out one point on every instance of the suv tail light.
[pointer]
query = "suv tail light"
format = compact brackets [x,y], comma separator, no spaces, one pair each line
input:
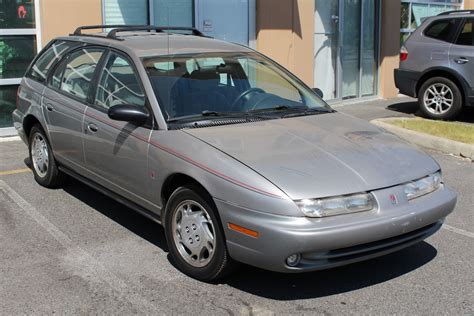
[403,53]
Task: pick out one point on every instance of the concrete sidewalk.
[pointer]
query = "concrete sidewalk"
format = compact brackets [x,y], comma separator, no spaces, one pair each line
[399,107]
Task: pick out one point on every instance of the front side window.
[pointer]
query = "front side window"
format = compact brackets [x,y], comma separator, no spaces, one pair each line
[119,84]
[441,30]
[74,75]
[465,37]
[232,83]
[39,70]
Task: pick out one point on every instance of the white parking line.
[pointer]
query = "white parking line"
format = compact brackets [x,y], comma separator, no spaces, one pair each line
[458,231]
[93,268]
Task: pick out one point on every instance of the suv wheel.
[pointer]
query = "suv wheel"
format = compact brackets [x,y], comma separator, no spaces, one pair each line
[440,98]
[194,235]
[45,168]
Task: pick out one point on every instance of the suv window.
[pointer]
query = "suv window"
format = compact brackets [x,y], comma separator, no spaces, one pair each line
[39,70]
[465,38]
[119,84]
[441,30]
[75,73]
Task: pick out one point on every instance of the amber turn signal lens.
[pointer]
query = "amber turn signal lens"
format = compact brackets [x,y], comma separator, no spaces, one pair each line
[243,230]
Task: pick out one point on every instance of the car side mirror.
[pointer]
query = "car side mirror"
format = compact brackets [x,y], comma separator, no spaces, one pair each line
[129,113]
[319,92]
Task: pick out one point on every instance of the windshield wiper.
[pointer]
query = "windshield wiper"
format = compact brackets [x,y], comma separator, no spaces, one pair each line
[309,112]
[208,113]
[278,108]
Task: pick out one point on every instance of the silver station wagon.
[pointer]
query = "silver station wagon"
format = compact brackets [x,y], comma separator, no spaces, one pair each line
[236,157]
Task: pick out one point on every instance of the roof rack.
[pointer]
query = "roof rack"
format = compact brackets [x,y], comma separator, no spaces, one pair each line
[457,12]
[78,31]
[157,29]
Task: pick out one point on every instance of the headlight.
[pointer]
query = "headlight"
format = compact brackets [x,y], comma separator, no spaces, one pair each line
[422,186]
[337,205]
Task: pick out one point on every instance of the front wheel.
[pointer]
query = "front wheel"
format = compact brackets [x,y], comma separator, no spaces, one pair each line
[45,168]
[440,98]
[194,235]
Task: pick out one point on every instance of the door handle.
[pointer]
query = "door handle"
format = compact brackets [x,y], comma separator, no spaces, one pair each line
[461,60]
[92,127]
[49,107]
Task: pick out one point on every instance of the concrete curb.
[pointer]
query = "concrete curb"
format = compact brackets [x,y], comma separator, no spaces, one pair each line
[428,141]
[9,139]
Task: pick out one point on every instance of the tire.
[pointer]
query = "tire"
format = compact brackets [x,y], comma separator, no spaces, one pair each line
[439,98]
[44,166]
[191,207]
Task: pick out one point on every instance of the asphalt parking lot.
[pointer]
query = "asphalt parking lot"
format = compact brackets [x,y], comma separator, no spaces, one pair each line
[73,250]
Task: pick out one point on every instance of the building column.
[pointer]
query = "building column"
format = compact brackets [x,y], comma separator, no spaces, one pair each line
[285,31]
[60,18]
[469,4]
[389,46]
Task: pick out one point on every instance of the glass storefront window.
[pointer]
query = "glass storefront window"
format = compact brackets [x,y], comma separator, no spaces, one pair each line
[173,12]
[16,53]
[132,12]
[7,104]
[17,14]
[413,12]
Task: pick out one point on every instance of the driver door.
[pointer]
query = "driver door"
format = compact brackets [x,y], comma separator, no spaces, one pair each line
[116,152]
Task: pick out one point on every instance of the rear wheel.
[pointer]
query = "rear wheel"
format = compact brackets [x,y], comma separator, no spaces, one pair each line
[45,168]
[194,235]
[440,98]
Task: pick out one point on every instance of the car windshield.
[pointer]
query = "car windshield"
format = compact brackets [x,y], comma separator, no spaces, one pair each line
[227,84]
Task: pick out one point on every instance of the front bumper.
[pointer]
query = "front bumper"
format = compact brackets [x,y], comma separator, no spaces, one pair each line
[338,240]
[406,81]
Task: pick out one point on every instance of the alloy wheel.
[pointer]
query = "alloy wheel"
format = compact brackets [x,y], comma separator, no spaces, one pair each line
[39,155]
[438,98]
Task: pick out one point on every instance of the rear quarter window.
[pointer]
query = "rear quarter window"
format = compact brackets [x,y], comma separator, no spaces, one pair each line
[441,30]
[39,70]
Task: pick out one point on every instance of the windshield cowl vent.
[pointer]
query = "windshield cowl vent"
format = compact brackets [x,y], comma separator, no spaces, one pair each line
[218,122]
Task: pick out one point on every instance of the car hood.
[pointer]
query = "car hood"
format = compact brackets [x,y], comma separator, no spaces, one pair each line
[320,155]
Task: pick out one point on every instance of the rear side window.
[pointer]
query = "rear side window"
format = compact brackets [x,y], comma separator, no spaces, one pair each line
[441,30]
[39,70]
[74,74]
[465,37]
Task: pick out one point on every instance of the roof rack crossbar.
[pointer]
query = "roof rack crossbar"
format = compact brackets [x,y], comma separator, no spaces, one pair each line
[79,30]
[457,12]
[158,29]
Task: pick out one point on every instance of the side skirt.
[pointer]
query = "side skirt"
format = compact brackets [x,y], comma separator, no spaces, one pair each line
[137,208]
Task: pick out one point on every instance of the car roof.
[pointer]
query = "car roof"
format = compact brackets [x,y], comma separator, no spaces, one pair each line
[147,44]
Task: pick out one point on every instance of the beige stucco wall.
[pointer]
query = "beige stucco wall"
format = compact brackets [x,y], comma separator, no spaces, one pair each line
[285,34]
[469,4]
[61,17]
[389,47]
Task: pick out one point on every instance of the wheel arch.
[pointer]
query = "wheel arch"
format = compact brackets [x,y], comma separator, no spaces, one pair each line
[446,73]
[28,122]
[174,181]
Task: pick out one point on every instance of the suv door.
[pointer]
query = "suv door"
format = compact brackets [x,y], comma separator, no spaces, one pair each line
[65,101]
[116,152]
[461,53]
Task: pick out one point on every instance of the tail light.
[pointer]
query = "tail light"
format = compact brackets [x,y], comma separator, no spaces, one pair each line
[403,53]
[18,96]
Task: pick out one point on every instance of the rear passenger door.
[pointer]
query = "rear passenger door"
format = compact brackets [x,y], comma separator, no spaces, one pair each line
[65,101]
[115,151]
[461,53]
